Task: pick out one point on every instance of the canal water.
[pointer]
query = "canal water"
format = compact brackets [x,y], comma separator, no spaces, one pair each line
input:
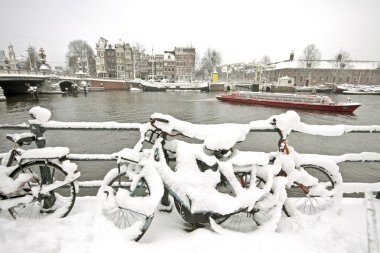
[131,107]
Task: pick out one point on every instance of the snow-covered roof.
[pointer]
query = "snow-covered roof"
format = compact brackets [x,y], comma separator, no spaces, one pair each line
[169,56]
[328,65]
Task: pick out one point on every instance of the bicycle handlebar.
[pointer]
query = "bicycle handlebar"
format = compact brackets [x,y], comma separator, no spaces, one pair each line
[153,120]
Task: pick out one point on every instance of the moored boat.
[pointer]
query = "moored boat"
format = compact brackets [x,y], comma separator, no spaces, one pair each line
[310,102]
[362,91]
[164,86]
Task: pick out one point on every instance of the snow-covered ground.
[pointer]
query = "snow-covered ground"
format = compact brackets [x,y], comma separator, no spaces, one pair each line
[83,231]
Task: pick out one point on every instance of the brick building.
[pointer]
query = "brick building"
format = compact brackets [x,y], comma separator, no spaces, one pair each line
[122,61]
[356,73]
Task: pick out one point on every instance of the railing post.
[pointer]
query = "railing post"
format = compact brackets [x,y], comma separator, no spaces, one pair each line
[39,132]
[46,175]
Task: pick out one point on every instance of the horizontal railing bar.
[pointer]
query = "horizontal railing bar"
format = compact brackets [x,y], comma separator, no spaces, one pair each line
[113,157]
[128,128]
[15,127]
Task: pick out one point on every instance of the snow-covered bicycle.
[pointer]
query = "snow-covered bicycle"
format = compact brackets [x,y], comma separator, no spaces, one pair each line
[313,181]
[37,183]
[198,177]
[212,182]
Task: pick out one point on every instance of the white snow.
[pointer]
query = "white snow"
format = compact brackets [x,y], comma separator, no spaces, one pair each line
[49,152]
[84,231]
[40,114]
[336,230]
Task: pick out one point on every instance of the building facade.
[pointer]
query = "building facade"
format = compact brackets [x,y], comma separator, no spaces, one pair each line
[356,73]
[122,61]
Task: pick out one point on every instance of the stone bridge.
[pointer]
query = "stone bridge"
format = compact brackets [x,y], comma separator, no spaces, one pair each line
[14,82]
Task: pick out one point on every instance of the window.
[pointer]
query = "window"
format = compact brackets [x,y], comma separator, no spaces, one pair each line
[327,79]
[348,79]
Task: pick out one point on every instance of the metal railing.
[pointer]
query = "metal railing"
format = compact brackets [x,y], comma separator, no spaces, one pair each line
[40,128]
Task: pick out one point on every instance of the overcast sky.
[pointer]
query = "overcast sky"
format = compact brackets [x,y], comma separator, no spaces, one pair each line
[242,30]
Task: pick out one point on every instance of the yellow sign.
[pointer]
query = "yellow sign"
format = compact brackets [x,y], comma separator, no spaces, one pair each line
[214,77]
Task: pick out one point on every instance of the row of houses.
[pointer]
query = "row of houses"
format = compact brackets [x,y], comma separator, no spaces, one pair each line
[356,72]
[123,61]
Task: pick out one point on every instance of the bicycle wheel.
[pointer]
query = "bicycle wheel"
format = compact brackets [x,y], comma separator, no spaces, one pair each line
[241,220]
[308,204]
[58,202]
[124,218]
[268,208]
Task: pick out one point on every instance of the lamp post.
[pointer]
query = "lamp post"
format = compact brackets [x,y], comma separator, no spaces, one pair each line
[81,74]
[43,68]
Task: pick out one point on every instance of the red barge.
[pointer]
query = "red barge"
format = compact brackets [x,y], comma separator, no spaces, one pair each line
[310,102]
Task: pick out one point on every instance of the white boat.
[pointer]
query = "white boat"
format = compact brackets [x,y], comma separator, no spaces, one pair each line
[2,97]
[180,86]
[363,90]
[304,88]
[135,89]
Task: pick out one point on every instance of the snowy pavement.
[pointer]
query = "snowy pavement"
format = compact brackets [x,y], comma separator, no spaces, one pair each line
[83,231]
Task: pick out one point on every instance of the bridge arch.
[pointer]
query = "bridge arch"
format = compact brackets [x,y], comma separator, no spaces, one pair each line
[67,85]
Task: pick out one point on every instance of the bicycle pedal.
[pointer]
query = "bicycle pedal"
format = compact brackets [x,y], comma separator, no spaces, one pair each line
[166,209]
[190,227]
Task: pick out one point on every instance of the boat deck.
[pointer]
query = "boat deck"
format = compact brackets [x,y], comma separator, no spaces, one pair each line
[310,99]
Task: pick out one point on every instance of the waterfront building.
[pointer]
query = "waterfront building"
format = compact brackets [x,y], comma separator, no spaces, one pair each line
[100,58]
[169,66]
[327,72]
[159,66]
[125,62]
[184,63]
[367,73]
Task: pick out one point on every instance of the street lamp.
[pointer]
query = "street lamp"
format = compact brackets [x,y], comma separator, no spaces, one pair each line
[43,68]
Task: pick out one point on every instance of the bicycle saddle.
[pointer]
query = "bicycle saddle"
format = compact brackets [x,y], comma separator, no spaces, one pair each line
[22,139]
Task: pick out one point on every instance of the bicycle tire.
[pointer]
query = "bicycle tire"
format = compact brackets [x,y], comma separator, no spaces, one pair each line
[124,218]
[58,202]
[240,221]
[310,205]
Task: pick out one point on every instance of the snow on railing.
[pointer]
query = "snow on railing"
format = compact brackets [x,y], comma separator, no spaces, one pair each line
[287,122]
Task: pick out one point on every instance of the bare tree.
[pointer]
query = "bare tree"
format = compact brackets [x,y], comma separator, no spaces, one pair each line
[265,60]
[81,55]
[198,67]
[311,57]
[138,58]
[210,60]
[32,59]
[341,65]
[309,60]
